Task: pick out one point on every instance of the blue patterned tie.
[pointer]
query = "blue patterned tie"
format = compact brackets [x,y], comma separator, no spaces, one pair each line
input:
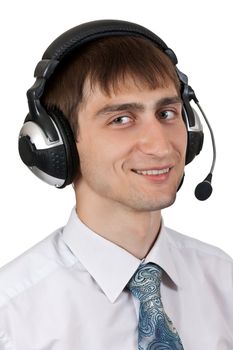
[155,329]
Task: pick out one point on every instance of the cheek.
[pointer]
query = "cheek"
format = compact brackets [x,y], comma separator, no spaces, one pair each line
[178,137]
[97,153]
[182,139]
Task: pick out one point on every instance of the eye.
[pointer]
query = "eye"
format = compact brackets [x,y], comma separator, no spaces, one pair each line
[124,119]
[167,114]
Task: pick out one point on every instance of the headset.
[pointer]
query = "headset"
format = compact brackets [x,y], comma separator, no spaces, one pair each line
[46,142]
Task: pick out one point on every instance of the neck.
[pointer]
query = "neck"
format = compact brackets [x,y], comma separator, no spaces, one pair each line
[132,230]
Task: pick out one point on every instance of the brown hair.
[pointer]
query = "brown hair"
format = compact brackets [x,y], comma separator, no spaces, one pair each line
[107,62]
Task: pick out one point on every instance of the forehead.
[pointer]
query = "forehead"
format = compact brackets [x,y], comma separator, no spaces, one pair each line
[127,90]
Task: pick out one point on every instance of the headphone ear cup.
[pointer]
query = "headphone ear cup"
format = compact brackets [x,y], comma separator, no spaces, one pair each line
[64,128]
[195,135]
[54,162]
[195,142]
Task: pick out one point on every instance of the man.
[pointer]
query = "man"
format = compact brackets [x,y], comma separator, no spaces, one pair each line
[114,277]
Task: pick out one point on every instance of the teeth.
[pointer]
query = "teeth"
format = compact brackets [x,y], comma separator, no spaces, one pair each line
[152,172]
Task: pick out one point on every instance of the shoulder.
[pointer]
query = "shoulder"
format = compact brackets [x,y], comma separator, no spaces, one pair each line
[32,266]
[192,246]
[202,264]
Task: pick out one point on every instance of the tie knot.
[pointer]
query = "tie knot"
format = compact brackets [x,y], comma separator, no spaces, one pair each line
[145,283]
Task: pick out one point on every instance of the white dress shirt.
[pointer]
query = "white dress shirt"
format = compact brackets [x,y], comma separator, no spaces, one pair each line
[68,293]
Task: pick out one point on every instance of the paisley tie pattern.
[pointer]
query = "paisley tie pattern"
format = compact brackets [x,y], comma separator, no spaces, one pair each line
[155,329]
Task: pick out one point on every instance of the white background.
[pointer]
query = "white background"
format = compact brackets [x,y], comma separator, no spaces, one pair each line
[200,33]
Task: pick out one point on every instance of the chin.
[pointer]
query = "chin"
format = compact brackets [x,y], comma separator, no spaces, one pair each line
[155,204]
[163,203]
[167,202]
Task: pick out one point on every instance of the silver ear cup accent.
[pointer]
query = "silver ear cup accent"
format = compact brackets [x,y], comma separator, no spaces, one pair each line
[37,136]
[195,136]
[197,127]
[35,148]
[51,180]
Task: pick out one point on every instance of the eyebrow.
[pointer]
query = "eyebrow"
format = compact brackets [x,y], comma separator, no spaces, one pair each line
[165,101]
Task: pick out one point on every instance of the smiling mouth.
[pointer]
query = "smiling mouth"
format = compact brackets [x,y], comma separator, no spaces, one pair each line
[153,172]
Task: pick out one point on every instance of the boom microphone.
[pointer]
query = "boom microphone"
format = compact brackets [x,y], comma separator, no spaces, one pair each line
[204,188]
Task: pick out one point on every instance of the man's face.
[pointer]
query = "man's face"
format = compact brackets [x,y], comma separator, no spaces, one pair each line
[131,146]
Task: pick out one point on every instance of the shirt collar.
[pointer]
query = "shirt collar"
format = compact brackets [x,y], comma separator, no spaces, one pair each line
[163,254]
[110,265]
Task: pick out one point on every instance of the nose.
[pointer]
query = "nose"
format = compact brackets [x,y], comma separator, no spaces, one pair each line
[154,139]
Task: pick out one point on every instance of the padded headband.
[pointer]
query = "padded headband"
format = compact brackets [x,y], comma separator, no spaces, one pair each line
[86,32]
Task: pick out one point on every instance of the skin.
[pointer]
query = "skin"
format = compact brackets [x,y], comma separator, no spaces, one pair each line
[132,129]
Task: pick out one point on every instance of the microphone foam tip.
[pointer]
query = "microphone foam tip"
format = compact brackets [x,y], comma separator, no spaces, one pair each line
[203,190]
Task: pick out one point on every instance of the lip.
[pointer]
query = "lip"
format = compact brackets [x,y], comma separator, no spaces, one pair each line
[169,166]
[159,178]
